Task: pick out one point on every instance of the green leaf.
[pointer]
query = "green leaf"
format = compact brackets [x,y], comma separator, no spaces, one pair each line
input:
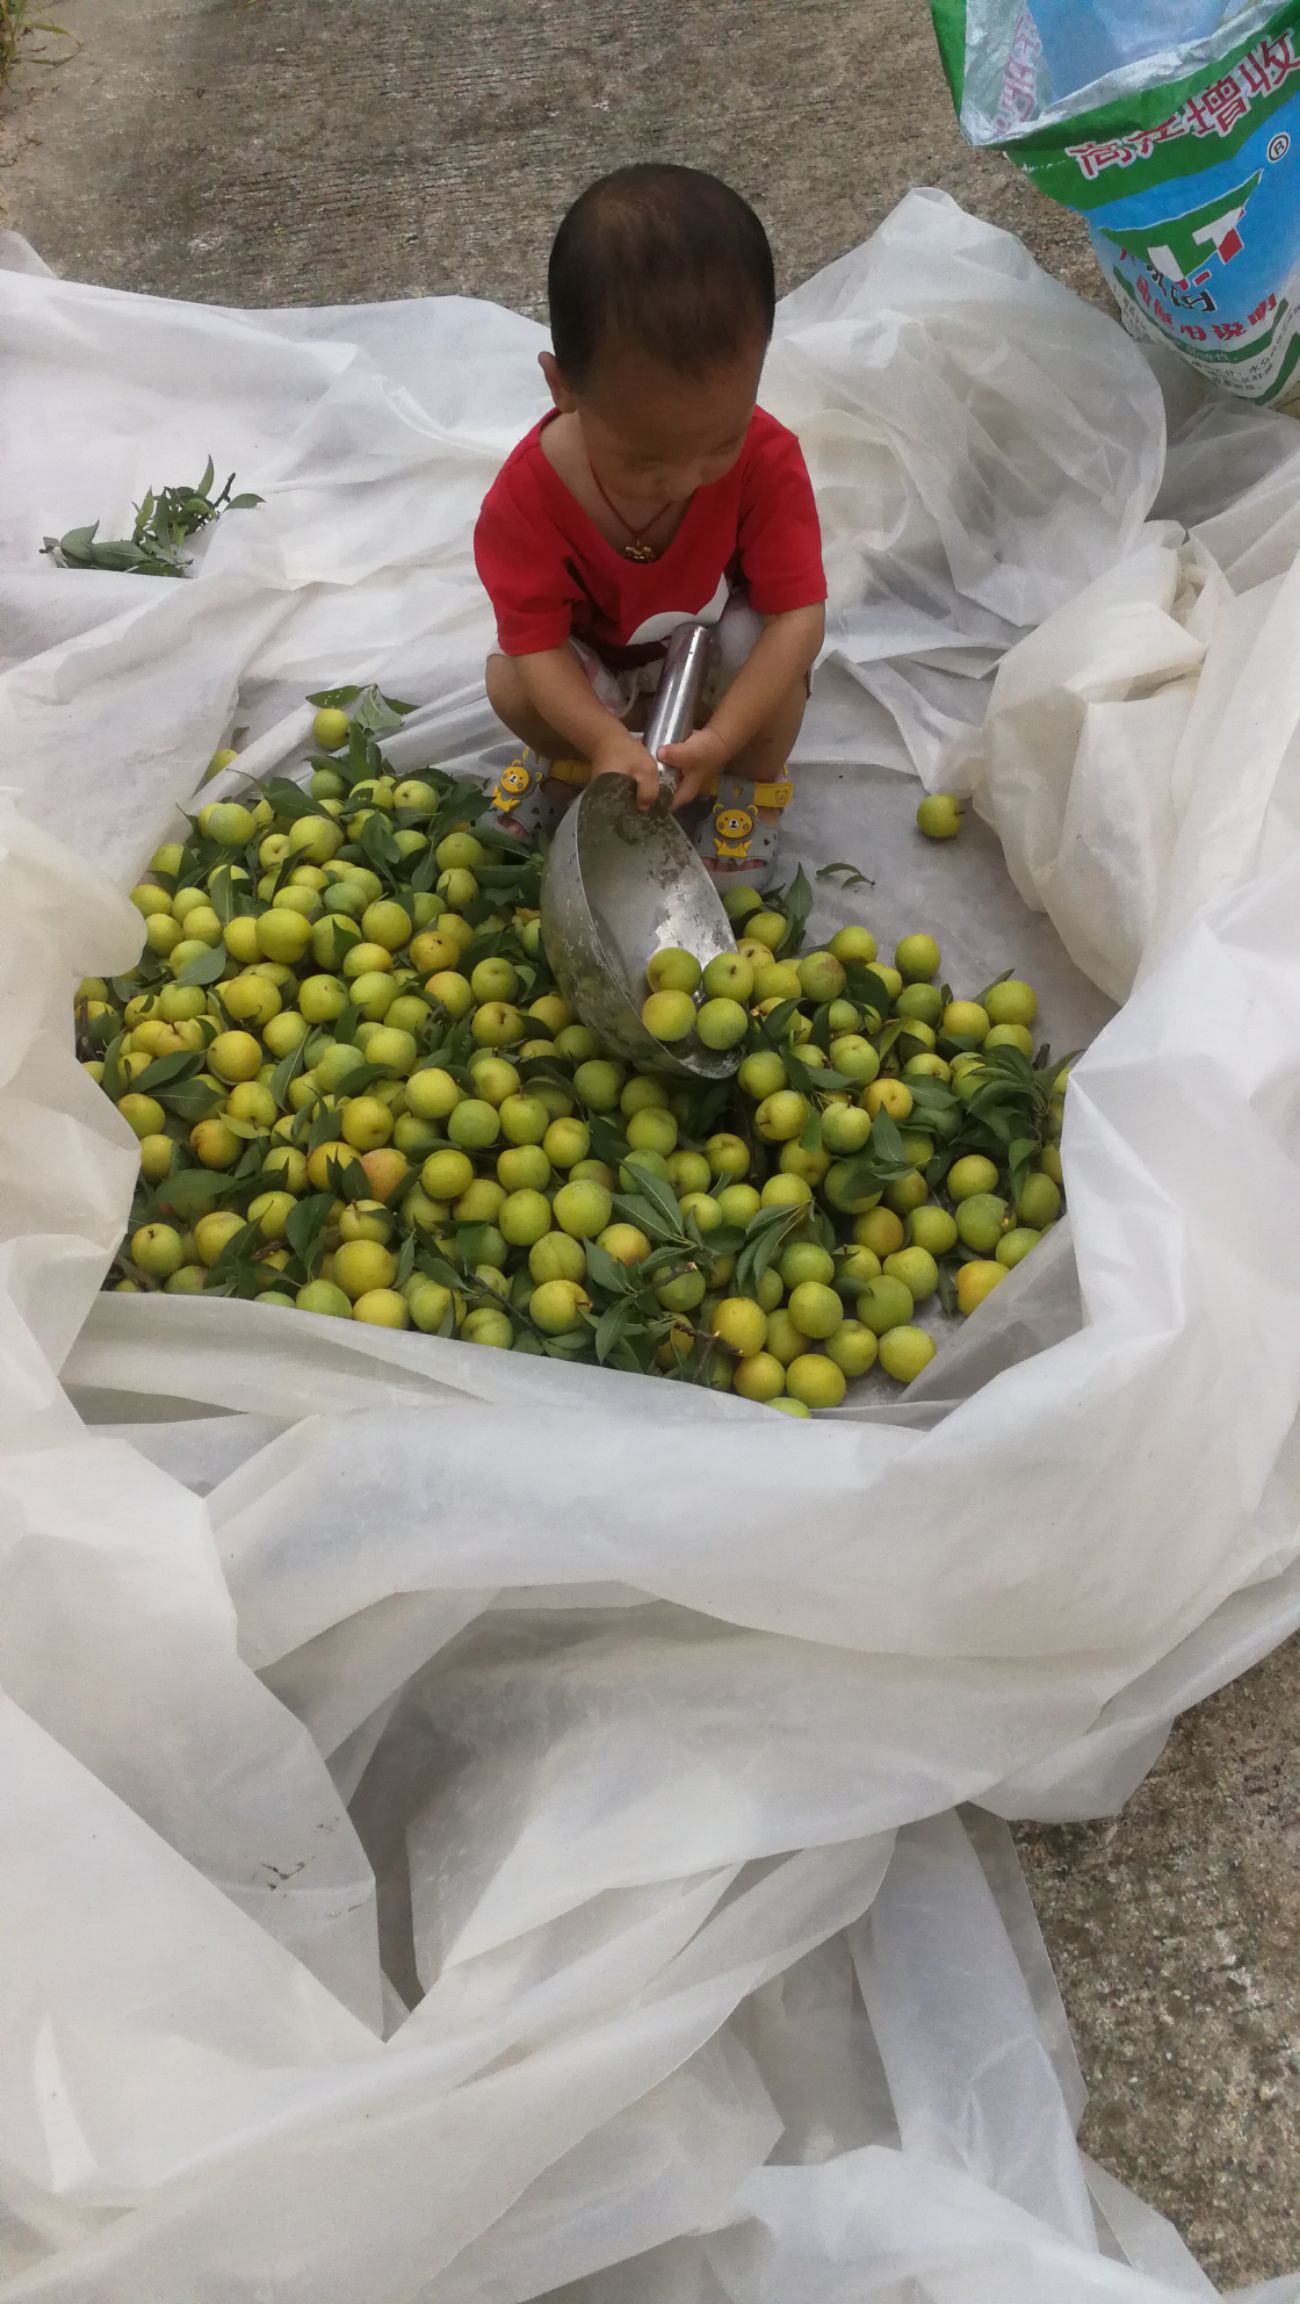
[77,539]
[345,1024]
[404,1186]
[670,1257]
[99,1033]
[348,1180]
[1021,1156]
[206,967]
[363,1077]
[775,1026]
[886,1142]
[610,1328]
[505,843]
[931,1099]
[547,1068]
[636,1352]
[362,751]
[193,1192]
[820,1036]
[660,1195]
[796,903]
[190,1099]
[378,843]
[861,984]
[286,1071]
[169,1068]
[813,1079]
[1003,1103]
[324,1127]
[861,1174]
[648,1220]
[608,1143]
[288,799]
[229,897]
[305,1228]
[763,1236]
[425,872]
[947,1290]
[725,1239]
[828,1082]
[334,696]
[848,875]
[708,1106]
[821,1229]
[245,1279]
[605,1271]
[437,1268]
[1011,1061]
[405,1261]
[113,1081]
[1002,1125]
[376,714]
[236,1250]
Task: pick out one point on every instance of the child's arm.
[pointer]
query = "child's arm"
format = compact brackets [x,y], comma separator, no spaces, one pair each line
[559,691]
[784,653]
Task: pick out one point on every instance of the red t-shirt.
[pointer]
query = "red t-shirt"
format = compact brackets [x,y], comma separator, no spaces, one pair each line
[552,576]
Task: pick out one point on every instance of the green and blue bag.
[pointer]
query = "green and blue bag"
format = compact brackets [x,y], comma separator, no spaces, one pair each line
[1173,127]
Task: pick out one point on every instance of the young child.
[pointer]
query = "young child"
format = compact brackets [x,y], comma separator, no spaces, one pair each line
[655,491]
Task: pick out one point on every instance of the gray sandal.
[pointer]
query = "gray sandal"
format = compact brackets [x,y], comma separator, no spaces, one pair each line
[738,839]
[531,794]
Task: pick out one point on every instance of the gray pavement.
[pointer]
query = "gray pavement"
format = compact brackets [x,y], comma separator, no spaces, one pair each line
[324,151]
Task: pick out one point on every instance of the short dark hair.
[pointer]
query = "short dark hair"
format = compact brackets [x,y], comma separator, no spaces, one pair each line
[669,261]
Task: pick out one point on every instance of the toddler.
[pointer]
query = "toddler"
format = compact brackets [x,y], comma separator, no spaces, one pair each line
[655,491]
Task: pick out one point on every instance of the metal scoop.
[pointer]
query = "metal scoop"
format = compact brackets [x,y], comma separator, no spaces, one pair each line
[621,882]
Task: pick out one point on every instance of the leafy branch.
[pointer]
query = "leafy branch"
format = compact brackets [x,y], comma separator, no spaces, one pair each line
[165,519]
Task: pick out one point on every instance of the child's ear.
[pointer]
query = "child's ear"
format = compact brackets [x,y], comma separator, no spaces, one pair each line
[559,390]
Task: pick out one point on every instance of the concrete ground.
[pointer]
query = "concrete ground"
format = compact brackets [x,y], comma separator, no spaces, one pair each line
[321,151]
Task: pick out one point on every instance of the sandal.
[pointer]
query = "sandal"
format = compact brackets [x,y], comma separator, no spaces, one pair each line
[531,794]
[739,838]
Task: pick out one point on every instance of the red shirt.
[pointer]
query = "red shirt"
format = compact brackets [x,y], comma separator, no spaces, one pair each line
[551,575]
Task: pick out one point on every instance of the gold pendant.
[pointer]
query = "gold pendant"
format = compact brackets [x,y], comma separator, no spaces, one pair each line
[640,552]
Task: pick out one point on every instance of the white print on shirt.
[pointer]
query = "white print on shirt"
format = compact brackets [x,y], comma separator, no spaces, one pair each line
[662,626]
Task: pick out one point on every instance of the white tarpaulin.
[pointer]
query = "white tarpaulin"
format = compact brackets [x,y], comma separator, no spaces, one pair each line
[474,1828]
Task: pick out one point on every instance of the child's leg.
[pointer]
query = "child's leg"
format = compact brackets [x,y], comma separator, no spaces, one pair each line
[532,793]
[506,695]
[764,758]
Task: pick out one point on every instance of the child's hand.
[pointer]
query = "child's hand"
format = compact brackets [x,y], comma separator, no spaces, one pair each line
[623,754]
[695,760]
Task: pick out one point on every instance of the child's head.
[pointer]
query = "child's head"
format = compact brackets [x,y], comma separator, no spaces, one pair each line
[662,296]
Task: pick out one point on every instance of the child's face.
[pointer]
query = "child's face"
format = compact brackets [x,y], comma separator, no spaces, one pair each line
[655,437]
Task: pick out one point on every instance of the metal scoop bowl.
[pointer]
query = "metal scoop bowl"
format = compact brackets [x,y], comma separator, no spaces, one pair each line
[621,882]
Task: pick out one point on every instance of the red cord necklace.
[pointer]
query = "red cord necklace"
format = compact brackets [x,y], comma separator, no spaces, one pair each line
[636,548]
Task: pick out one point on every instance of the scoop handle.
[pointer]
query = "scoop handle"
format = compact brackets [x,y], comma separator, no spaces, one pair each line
[672,715]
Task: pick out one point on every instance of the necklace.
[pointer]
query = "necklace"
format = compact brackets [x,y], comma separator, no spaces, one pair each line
[636,548]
